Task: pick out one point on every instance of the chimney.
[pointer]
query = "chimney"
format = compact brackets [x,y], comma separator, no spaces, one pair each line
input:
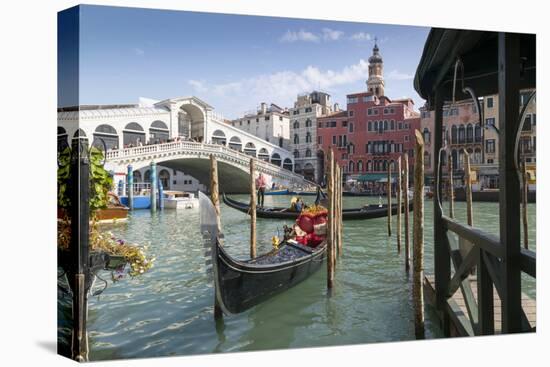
[263,108]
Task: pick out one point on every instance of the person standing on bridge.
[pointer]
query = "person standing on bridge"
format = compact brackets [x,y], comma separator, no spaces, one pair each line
[261,184]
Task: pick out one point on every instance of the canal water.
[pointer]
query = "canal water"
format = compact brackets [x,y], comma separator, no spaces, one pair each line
[169,310]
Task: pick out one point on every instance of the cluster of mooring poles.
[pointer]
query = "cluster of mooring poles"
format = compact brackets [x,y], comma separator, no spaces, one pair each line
[334,218]
[402,196]
[156,191]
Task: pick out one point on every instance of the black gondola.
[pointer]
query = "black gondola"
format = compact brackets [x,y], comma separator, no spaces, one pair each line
[368,212]
[242,284]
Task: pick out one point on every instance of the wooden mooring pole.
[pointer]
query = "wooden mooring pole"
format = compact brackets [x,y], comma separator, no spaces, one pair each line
[331,225]
[215,197]
[388,192]
[468,179]
[524,197]
[399,195]
[130,186]
[418,237]
[340,212]
[252,209]
[153,190]
[451,188]
[406,205]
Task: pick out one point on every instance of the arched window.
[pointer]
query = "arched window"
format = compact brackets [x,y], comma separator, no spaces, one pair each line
[158,132]
[385,165]
[427,159]
[296,139]
[297,168]
[164,177]
[369,166]
[308,123]
[79,134]
[385,124]
[460,159]
[107,134]
[478,133]
[350,127]
[287,164]
[360,166]
[147,176]
[461,134]
[218,137]
[454,135]
[137,176]
[351,148]
[133,135]
[477,156]
[308,153]
[375,125]
[296,124]
[62,136]
[351,167]
[276,159]
[296,153]
[426,134]
[392,125]
[370,126]
[235,143]
[308,137]
[470,133]
[263,154]
[250,149]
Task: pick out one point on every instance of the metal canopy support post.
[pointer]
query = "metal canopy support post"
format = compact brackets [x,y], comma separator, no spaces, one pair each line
[79,246]
[509,195]
[442,256]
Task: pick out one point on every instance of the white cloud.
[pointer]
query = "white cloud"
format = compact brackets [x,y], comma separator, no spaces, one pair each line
[331,34]
[138,51]
[397,75]
[282,87]
[197,85]
[361,36]
[301,35]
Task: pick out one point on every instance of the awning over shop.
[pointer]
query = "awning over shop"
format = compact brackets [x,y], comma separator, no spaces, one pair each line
[375,177]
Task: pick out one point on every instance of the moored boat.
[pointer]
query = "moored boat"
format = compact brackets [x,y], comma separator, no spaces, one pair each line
[242,284]
[279,192]
[179,200]
[367,212]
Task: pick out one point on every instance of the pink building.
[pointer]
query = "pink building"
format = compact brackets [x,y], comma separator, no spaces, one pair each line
[373,131]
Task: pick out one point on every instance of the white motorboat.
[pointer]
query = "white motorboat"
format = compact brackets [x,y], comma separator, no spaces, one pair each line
[180,200]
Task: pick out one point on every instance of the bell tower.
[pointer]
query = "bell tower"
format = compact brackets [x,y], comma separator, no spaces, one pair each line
[375,83]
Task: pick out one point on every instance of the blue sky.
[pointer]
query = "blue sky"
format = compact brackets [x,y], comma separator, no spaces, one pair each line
[234,62]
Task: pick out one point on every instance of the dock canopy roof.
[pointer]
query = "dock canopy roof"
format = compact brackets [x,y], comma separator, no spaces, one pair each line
[478,51]
[375,177]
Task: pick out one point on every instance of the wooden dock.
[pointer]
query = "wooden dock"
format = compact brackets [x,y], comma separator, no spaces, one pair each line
[458,311]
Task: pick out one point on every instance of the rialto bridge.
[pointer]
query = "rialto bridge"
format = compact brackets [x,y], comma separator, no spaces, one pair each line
[138,134]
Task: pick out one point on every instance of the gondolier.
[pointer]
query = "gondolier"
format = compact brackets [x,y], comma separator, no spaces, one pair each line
[261,184]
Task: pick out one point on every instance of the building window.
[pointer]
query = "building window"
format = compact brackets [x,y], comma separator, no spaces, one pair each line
[369,111]
[308,153]
[344,124]
[308,109]
[406,138]
[296,153]
[296,111]
[296,139]
[490,121]
[320,124]
[320,140]
[400,126]
[386,111]
[308,123]
[350,113]
[426,134]
[461,134]
[454,134]
[478,133]
[296,124]
[333,124]
[308,137]
[370,126]
[352,100]
[490,145]
[489,102]
[470,133]
[333,139]
[392,125]
[266,118]
[527,123]
[350,127]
